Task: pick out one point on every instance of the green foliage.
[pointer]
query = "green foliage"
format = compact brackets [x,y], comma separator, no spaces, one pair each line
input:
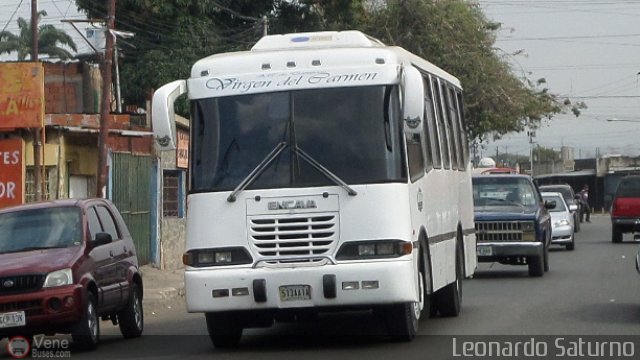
[50,40]
[453,34]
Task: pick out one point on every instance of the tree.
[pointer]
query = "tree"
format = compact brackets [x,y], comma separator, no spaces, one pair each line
[454,35]
[50,40]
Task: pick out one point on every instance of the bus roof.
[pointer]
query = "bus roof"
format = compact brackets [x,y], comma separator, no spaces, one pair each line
[313,51]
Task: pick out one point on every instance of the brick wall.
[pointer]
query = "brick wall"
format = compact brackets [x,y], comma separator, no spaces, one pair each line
[63,91]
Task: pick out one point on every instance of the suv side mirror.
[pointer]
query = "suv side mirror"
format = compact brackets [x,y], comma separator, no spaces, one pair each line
[102,239]
[573,207]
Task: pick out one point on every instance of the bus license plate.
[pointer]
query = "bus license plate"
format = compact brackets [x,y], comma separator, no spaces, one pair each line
[12,319]
[295,292]
[484,250]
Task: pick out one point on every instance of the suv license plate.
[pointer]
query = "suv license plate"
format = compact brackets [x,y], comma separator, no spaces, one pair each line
[295,292]
[12,319]
[484,250]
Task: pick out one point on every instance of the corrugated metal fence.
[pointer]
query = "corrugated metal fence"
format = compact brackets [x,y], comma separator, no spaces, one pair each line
[132,196]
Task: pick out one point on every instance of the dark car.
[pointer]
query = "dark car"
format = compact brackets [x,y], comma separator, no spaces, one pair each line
[66,264]
[625,208]
[513,225]
[570,197]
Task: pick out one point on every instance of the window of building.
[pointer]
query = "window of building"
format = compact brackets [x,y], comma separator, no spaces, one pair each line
[172,193]
[50,184]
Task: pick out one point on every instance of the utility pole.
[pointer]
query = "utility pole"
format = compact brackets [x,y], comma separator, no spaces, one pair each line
[105,108]
[37,132]
[531,134]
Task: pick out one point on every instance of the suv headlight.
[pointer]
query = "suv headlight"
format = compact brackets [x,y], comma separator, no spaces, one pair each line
[58,278]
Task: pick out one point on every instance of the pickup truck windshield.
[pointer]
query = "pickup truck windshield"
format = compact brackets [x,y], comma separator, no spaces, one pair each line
[503,191]
[352,132]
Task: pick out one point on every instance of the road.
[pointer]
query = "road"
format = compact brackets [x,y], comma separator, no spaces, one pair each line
[593,290]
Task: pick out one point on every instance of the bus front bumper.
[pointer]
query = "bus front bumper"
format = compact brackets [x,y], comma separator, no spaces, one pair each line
[352,284]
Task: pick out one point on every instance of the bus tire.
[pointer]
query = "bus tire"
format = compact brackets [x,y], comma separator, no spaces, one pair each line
[403,319]
[224,329]
[449,298]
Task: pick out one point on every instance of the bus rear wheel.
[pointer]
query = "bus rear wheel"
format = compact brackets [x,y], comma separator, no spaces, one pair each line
[449,298]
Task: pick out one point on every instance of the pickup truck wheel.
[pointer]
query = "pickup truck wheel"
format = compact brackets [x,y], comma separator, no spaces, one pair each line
[546,258]
[224,329]
[616,234]
[536,266]
[86,332]
[131,318]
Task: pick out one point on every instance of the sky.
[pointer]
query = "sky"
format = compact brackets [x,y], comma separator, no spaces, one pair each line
[587,50]
[57,10]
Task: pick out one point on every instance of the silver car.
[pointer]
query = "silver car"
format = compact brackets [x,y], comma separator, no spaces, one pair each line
[562,220]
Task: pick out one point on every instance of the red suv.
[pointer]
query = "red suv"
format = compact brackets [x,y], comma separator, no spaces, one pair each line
[65,265]
[625,208]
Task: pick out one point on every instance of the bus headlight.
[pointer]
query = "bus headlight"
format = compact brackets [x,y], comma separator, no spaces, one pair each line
[216,257]
[377,249]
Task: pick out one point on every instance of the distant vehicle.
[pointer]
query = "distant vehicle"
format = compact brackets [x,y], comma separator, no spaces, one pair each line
[562,219]
[570,197]
[495,170]
[513,225]
[65,265]
[625,208]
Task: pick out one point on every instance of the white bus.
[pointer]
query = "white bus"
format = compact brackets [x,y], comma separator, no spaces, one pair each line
[327,171]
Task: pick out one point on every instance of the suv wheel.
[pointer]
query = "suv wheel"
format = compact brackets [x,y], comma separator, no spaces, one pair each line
[616,234]
[131,318]
[536,266]
[86,332]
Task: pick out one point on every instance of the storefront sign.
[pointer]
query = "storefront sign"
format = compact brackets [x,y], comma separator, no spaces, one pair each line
[182,152]
[11,172]
[21,95]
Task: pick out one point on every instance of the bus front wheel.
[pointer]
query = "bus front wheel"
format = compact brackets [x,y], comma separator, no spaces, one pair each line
[224,329]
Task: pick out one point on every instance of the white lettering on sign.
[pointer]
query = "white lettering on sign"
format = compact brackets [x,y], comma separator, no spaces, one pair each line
[235,84]
[9,158]
[7,190]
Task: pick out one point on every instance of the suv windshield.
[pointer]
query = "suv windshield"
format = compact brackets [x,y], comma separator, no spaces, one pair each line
[566,191]
[503,191]
[40,229]
[352,132]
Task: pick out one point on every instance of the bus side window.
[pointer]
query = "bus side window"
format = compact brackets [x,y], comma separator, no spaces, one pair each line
[456,155]
[414,156]
[437,127]
[463,128]
[442,125]
[429,125]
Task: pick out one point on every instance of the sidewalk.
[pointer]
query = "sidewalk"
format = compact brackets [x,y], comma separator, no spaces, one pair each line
[162,284]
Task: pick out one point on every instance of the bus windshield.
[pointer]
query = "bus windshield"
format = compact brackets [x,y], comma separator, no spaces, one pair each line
[352,132]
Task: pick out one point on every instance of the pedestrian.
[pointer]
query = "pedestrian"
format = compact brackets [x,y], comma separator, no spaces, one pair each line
[586,209]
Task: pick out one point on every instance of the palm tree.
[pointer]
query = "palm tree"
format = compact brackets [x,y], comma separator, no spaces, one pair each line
[50,40]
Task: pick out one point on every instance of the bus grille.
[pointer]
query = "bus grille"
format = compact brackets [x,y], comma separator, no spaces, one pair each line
[297,235]
[489,231]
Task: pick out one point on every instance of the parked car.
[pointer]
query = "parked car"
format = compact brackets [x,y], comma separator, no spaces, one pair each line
[625,208]
[562,219]
[570,197]
[66,264]
[513,225]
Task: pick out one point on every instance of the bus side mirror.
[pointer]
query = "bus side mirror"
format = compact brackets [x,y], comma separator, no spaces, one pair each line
[163,114]
[413,100]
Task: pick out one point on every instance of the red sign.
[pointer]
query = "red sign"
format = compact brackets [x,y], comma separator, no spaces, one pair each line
[11,172]
[21,95]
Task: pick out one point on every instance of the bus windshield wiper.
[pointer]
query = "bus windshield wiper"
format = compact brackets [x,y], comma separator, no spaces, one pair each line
[306,157]
[257,171]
